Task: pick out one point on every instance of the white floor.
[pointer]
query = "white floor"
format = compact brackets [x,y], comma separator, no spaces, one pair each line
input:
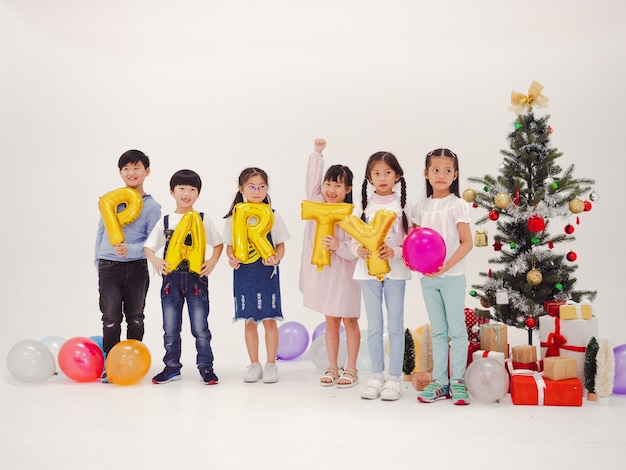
[294,423]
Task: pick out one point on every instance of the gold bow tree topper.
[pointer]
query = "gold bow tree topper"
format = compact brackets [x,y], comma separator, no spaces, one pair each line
[519,101]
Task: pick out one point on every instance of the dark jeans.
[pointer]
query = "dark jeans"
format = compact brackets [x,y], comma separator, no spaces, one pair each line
[180,286]
[123,287]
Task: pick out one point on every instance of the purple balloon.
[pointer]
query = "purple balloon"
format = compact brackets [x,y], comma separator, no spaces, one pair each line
[424,250]
[320,330]
[619,381]
[293,339]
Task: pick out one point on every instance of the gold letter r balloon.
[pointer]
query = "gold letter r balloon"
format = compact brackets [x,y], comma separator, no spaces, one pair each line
[114,221]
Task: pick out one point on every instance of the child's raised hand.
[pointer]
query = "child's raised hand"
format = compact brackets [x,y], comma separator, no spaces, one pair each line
[319,145]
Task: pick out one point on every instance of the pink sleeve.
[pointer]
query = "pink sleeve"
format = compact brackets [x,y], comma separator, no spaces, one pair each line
[314,175]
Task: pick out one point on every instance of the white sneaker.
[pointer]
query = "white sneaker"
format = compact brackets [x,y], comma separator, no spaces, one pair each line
[392,390]
[270,373]
[254,373]
[372,390]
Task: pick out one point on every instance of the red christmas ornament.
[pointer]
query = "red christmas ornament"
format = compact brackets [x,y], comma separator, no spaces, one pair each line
[536,224]
[497,246]
[569,229]
[571,256]
[474,205]
[587,206]
[493,215]
[516,199]
[531,322]
[550,244]
[550,129]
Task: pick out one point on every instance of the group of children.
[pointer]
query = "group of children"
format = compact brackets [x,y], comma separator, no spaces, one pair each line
[335,291]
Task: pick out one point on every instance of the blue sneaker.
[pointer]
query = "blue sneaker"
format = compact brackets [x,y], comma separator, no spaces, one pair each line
[432,392]
[166,376]
[459,393]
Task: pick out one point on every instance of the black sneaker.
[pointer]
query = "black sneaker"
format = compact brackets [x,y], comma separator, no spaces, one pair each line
[209,377]
[166,376]
[104,378]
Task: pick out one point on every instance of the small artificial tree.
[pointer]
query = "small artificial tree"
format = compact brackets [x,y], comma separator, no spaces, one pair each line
[590,368]
[605,369]
[531,191]
[408,364]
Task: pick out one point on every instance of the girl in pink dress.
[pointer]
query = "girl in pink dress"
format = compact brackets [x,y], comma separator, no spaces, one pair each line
[332,291]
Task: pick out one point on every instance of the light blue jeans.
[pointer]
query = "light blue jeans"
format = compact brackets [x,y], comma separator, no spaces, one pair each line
[392,291]
[445,302]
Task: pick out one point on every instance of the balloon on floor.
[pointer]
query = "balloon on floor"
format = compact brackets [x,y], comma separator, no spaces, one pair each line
[54,344]
[487,380]
[293,339]
[619,381]
[31,361]
[81,359]
[319,356]
[128,362]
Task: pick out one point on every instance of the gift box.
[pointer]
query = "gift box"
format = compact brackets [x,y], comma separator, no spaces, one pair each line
[573,311]
[531,388]
[480,238]
[567,338]
[534,366]
[473,320]
[551,307]
[525,354]
[495,355]
[559,368]
[420,379]
[493,337]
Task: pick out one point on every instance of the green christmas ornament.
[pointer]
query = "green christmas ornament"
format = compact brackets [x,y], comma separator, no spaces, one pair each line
[513,245]
[554,186]
[518,126]
[534,240]
[473,293]
[558,286]
[486,189]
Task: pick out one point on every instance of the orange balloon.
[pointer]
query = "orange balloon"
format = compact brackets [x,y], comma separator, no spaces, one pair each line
[372,236]
[128,362]
[326,215]
[114,221]
[250,241]
[190,225]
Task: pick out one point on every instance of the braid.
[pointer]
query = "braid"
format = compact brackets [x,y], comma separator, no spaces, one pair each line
[364,198]
[405,222]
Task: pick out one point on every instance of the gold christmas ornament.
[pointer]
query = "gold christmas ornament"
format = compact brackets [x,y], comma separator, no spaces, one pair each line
[520,102]
[480,238]
[534,277]
[576,205]
[502,200]
[469,195]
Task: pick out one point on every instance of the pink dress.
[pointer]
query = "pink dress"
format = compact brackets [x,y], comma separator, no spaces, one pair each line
[332,291]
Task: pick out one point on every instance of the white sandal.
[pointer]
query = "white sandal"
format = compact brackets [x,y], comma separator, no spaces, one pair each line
[352,378]
[332,373]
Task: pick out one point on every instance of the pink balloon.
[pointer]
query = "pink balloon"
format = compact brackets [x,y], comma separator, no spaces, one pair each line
[424,250]
[81,359]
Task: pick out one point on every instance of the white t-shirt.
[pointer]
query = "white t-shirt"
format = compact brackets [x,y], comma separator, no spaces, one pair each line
[442,215]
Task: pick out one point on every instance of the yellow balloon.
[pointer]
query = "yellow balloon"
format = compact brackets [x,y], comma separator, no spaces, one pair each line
[189,227]
[128,362]
[372,236]
[114,221]
[250,241]
[326,215]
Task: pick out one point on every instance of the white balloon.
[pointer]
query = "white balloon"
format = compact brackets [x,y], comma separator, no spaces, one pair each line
[31,361]
[319,356]
[487,380]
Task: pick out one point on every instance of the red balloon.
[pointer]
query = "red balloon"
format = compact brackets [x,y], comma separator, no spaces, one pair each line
[424,250]
[81,359]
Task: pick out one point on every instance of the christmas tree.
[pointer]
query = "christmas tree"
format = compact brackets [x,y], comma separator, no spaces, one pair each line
[530,192]
[408,364]
[590,368]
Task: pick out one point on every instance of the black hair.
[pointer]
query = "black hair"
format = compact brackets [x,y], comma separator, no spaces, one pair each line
[186,178]
[391,160]
[340,174]
[443,152]
[244,176]
[133,156]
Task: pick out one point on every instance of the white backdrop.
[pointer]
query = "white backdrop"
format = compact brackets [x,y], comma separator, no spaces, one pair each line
[216,86]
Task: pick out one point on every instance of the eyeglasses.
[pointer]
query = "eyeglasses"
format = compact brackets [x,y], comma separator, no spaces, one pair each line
[254,189]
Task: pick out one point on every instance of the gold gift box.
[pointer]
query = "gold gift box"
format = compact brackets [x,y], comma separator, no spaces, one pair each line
[559,368]
[575,312]
[525,354]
